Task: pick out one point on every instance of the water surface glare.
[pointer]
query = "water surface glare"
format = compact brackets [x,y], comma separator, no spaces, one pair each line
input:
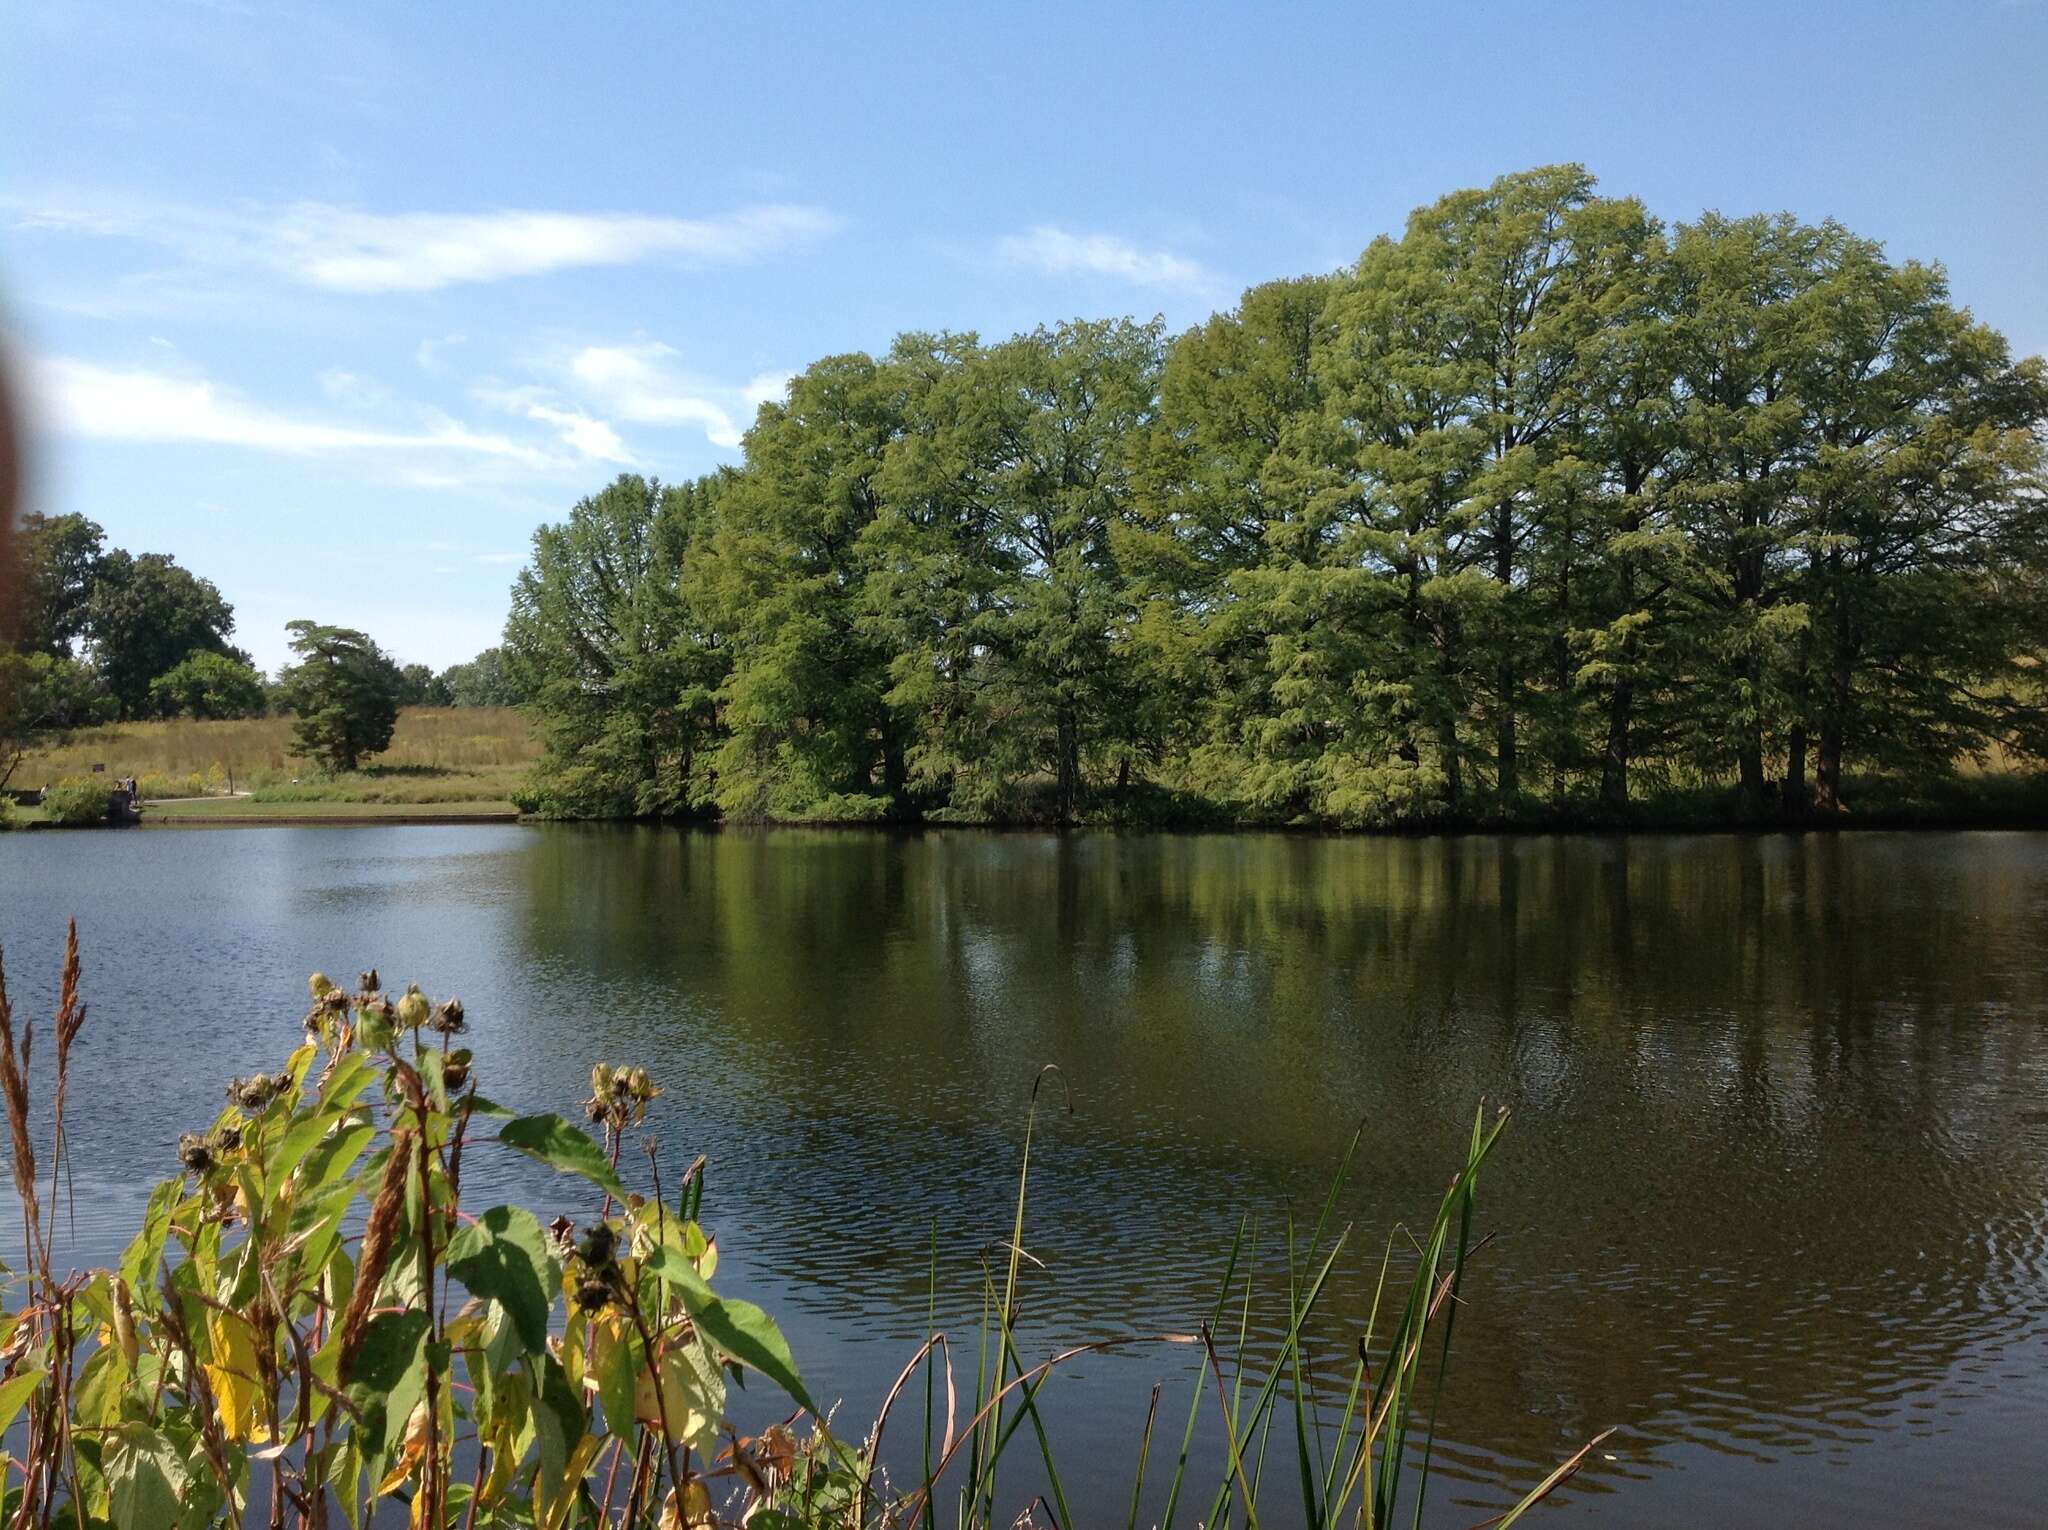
[1774,1200]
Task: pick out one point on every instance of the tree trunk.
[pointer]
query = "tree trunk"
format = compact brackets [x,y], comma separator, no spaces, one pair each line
[1749,765]
[1827,772]
[1795,771]
[1505,755]
[894,776]
[1454,775]
[1510,770]
[1068,744]
[1614,759]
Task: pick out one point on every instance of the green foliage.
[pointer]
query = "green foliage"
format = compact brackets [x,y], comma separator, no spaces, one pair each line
[309,1315]
[344,690]
[419,686]
[1535,504]
[145,615]
[622,664]
[77,804]
[485,681]
[61,560]
[43,695]
[206,684]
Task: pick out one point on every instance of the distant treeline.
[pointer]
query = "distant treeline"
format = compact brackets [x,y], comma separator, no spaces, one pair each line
[1541,507]
[104,635]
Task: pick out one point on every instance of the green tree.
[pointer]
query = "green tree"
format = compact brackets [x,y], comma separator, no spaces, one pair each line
[485,681]
[208,685]
[41,695]
[62,557]
[144,615]
[419,686]
[1920,513]
[622,670]
[1029,445]
[809,728]
[344,691]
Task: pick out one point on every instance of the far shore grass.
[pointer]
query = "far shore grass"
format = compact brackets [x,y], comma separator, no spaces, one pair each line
[255,810]
[445,759]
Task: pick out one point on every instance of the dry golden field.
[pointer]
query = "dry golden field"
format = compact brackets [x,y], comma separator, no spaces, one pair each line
[437,754]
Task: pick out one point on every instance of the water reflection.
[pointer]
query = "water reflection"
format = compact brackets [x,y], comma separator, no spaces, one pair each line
[1774,1197]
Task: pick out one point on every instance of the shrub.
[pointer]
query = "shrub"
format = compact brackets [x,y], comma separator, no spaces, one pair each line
[77,803]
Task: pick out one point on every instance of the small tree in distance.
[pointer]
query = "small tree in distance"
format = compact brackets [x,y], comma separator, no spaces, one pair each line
[345,690]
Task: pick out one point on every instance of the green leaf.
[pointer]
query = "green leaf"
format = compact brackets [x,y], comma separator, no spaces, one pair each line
[554,1141]
[145,1255]
[390,1345]
[14,1393]
[504,1257]
[351,1076]
[332,1157]
[557,1416]
[617,1360]
[146,1475]
[746,1333]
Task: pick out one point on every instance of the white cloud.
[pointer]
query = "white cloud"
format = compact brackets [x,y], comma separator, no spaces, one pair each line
[1062,252]
[767,388]
[133,404]
[587,434]
[353,251]
[637,383]
[346,249]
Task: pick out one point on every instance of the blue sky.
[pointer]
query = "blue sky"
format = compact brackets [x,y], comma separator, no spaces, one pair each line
[337,304]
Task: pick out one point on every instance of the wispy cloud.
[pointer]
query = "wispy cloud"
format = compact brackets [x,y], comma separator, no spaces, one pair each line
[640,383]
[584,433]
[83,398]
[1058,251]
[347,249]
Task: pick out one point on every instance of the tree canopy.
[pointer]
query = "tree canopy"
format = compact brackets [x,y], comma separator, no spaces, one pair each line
[1540,508]
[344,690]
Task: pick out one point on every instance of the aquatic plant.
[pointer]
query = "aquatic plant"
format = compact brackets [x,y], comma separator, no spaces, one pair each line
[312,1329]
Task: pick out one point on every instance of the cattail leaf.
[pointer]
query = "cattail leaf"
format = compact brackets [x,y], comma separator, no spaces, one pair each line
[503,1257]
[554,1141]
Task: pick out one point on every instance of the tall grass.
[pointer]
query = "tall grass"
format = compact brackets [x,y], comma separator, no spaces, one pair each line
[311,1322]
[437,754]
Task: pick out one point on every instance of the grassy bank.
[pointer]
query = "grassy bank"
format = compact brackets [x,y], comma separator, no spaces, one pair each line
[254,810]
[438,755]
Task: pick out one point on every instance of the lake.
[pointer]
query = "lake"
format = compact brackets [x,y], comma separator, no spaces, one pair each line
[1774,1198]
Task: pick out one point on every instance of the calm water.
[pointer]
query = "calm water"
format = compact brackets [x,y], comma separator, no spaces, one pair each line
[1775,1198]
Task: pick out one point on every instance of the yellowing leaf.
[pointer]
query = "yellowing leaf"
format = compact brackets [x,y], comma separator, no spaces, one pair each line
[232,1374]
[693,1391]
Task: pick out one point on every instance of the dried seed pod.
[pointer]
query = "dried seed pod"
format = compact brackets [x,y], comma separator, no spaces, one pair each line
[448,1018]
[455,1075]
[598,1245]
[562,1230]
[369,982]
[592,1295]
[193,1153]
[226,1139]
